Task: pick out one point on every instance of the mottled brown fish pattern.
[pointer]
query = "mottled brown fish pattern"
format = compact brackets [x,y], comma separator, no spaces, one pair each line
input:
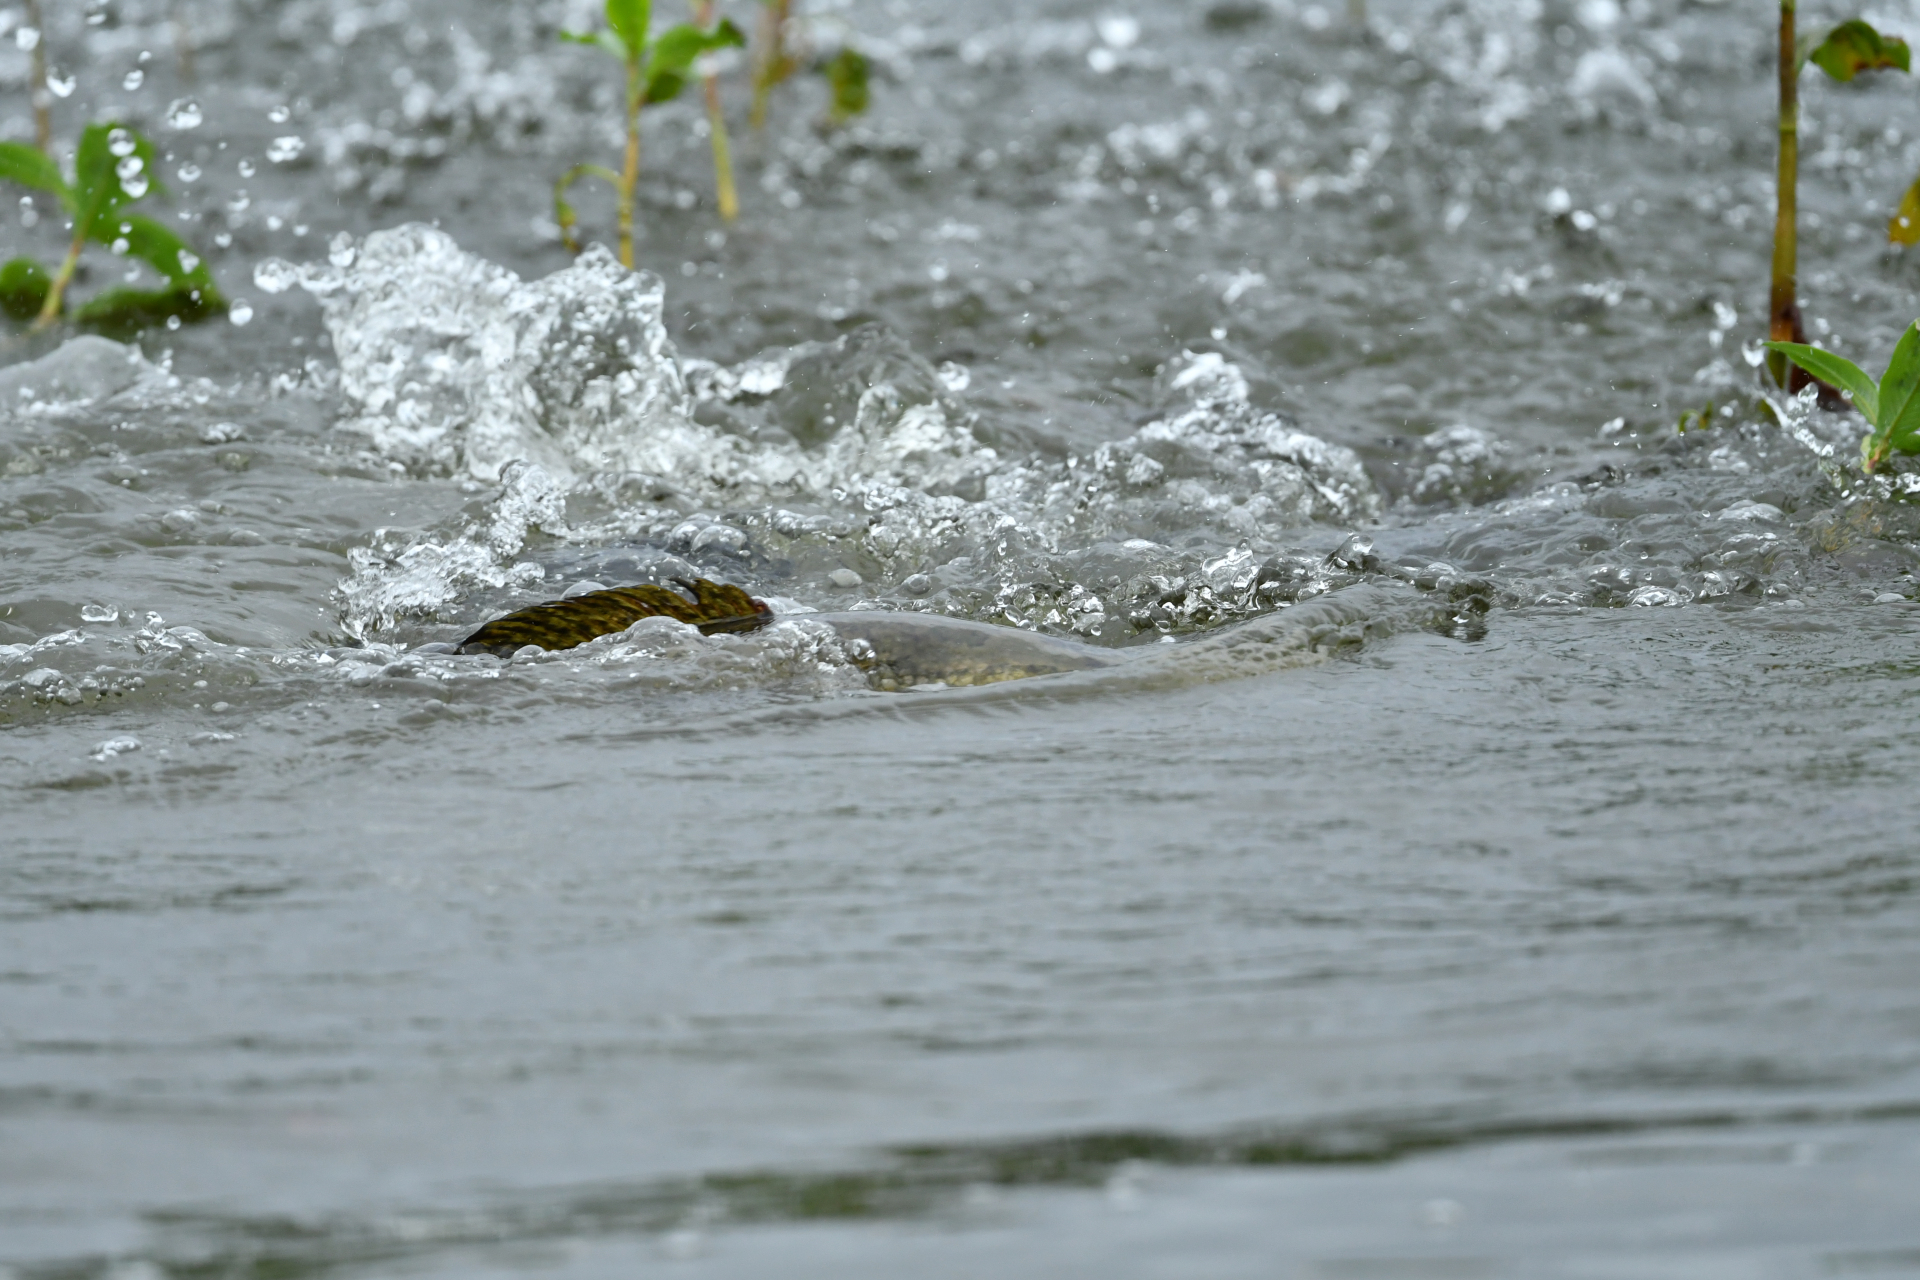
[562,624]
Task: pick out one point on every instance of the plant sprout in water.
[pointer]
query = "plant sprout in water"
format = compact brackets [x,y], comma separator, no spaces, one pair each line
[777,55]
[113,168]
[1842,52]
[1891,406]
[656,71]
[724,193]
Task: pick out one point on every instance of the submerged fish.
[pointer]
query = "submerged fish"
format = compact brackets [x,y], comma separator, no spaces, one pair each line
[896,650]
[562,624]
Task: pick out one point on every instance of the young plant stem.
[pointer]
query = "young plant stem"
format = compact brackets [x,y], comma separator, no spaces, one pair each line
[42,97]
[727,197]
[183,42]
[563,212]
[630,166]
[1783,308]
[770,58]
[56,292]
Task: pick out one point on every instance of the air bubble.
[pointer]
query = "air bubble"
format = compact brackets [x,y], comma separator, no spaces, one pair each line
[120,142]
[189,261]
[189,172]
[240,311]
[340,250]
[246,166]
[281,150]
[133,80]
[280,114]
[184,113]
[62,83]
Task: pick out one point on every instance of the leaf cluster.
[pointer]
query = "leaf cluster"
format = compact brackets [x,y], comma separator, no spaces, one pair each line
[1855,46]
[658,68]
[1891,405]
[114,168]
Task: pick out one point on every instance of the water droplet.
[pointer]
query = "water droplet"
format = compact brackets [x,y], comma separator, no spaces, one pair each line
[133,80]
[184,113]
[189,172]
[121,244]
[240,312]
[275,275]
[246,166]
[284,149]
[62,83]
[280,114]
[120,142]
[340,250]
[133,178]
[1119,30]
[189,261]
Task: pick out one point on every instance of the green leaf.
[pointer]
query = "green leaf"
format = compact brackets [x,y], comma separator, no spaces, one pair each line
[98,188]
[31,167]
[1853,47]
[628,20]
[1839,371]
[156,243]
[124,312]
[847,78]
[599,40]
[23,288]
[1899,415]
[676,50]
[1904,226]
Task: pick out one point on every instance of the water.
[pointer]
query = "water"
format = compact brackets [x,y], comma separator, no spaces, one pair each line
[1488,853]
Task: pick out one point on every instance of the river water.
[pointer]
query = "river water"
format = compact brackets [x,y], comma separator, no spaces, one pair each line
[1491,853]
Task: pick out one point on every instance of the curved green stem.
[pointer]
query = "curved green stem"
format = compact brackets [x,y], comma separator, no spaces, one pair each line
[563,212]
[56,292]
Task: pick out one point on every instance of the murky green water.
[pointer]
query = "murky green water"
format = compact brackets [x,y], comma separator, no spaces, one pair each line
[1489,851]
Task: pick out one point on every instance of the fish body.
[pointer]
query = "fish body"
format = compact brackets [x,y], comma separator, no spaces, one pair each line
[562,624]
[900,650]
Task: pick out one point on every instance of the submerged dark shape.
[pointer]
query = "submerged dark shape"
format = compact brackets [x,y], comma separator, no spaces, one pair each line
[562,624]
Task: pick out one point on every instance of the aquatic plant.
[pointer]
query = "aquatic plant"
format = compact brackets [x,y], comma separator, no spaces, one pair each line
[846,74]
[1842,52]
[656,72]
[113,168]
[775,59]
[725,195]
[1891,406]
